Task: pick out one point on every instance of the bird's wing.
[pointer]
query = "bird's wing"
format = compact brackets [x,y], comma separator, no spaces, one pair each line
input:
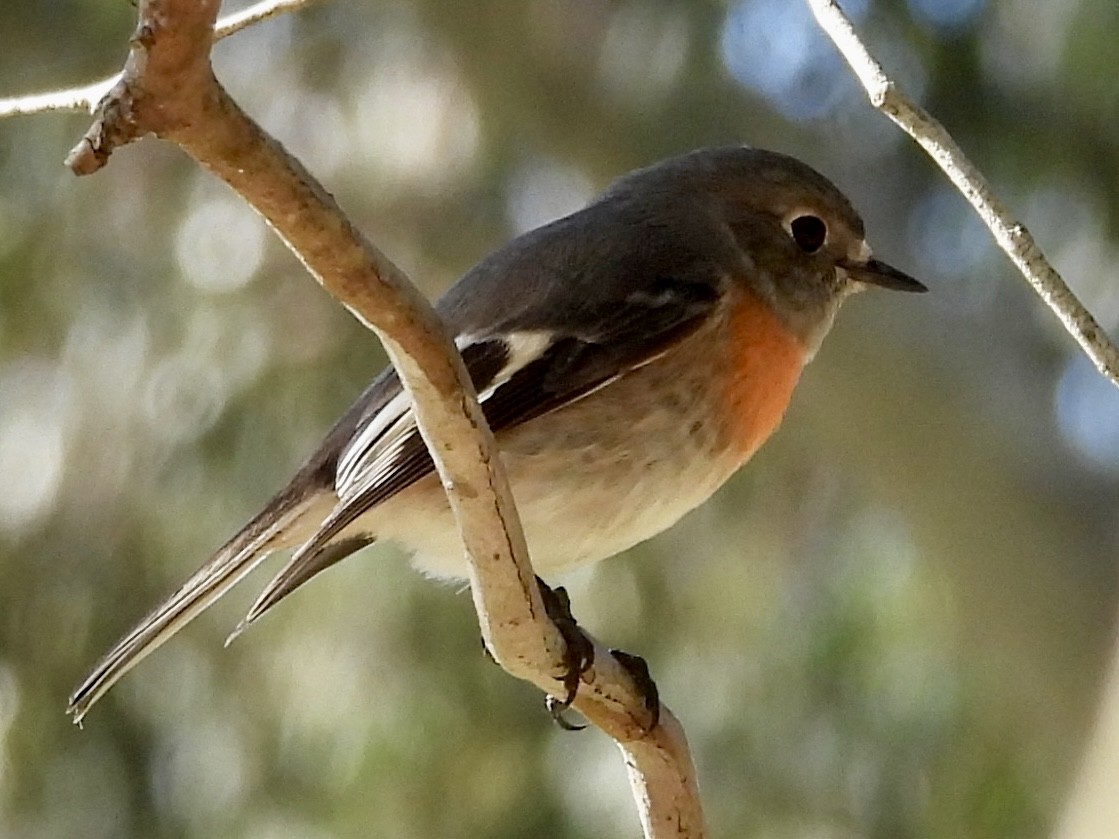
[519,376]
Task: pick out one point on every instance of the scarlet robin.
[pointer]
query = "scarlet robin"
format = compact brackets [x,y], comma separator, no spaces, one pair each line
[629,358]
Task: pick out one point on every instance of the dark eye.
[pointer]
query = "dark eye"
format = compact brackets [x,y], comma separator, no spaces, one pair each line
[809,232]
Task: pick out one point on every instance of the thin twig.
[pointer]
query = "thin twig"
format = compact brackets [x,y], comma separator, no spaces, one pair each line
[1010,234]
[168,89]
[256,13]
[85,98]
[71,100]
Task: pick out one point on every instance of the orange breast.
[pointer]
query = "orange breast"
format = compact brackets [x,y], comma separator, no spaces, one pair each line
[765,360]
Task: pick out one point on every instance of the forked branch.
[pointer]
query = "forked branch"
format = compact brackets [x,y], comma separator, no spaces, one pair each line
[86,97]
[168,89]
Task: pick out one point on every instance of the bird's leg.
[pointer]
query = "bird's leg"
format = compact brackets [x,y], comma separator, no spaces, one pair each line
[579,657]
[578,654]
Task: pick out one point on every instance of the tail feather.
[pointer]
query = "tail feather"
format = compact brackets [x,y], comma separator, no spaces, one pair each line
[286,521]
[300,568]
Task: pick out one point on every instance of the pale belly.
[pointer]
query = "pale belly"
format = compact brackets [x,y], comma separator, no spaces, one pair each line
[605,473]
[576,508]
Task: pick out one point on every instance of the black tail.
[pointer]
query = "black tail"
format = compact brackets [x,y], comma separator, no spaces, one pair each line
[289,518]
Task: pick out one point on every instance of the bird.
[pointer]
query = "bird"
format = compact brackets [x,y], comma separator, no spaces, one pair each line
[629,358]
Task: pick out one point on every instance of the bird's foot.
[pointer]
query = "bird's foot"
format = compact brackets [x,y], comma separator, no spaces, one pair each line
[639,671]
[578,655]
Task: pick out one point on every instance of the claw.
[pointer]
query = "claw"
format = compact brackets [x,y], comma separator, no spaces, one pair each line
[557,707]
[578,652]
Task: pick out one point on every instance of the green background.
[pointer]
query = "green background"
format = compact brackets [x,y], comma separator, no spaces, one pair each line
[895,622]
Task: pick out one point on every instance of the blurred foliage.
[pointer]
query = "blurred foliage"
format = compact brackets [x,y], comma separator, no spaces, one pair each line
[892,624]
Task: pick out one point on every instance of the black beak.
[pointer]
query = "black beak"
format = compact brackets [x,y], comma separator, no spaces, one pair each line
[874,272]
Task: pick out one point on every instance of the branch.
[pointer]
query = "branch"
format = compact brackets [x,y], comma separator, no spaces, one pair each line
[168,89]
[1010,234]
[85,98]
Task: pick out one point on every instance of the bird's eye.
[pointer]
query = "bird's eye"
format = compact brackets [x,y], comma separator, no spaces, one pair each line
[809,232]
